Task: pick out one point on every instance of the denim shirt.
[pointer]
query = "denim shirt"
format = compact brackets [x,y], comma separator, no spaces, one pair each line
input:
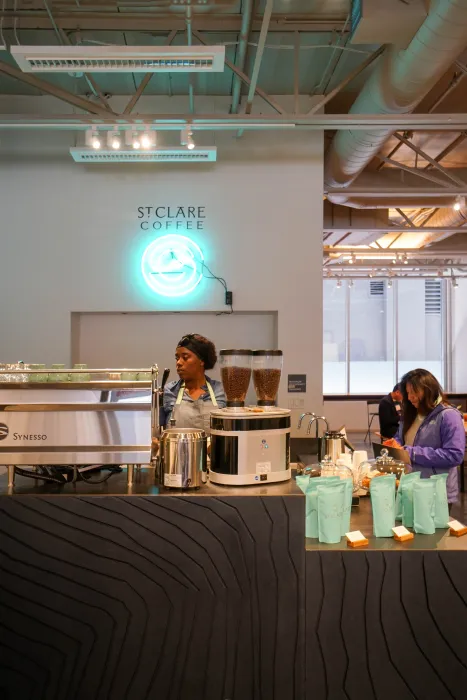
[171,394]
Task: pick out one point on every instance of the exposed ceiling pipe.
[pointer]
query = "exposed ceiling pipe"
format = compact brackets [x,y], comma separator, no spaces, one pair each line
[400,81]
[447,217]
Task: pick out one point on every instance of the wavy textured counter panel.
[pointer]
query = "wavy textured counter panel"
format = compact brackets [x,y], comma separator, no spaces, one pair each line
[386,625]
[147,598]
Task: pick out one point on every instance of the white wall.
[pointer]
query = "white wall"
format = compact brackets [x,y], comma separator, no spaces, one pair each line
[71,240]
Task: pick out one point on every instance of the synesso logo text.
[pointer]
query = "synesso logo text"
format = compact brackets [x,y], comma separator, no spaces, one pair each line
[19,436]
[5,431]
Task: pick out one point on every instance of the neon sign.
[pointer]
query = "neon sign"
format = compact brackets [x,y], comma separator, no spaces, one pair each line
[172,265]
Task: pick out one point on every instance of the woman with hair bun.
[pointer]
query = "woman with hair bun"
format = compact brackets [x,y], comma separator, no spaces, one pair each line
[190,400]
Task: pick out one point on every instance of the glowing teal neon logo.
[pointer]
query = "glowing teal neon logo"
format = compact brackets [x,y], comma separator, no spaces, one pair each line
[172,265]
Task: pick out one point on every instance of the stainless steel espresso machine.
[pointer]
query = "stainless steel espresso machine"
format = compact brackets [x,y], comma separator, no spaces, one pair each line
[250,445]
[77,424]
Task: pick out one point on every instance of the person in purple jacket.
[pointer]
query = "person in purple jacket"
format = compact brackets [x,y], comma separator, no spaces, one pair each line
[432,432]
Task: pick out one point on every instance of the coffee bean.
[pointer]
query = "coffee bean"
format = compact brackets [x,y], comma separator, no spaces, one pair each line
[266,383]
[236,381]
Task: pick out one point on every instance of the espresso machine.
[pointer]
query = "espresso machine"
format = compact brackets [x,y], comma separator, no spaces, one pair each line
[250,445]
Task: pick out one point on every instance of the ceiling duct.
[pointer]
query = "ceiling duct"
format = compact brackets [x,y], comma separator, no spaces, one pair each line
[159,155]
[120,59]
[400,80]
[386,21]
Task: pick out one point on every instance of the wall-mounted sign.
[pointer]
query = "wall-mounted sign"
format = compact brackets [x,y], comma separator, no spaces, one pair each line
[172,265]
[297,384]
[171,218]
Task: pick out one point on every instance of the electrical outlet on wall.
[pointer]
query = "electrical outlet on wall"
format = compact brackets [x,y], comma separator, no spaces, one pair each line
[296,403]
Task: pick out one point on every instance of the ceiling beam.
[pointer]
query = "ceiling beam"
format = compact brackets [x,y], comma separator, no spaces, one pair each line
[54,90]
[367,62]
[259,55]
[392,229]
[271,102]
[315,122]
[446,151]
[413,171]
[147,77]
[456,180]
[150,21]
[399,193]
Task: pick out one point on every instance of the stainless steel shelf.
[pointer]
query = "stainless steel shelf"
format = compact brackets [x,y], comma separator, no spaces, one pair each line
[103,385]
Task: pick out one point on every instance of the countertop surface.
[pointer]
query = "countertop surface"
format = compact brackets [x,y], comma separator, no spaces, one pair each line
[143,486]
[361,519]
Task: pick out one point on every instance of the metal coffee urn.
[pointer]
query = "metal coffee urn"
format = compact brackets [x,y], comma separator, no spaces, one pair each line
[183,458]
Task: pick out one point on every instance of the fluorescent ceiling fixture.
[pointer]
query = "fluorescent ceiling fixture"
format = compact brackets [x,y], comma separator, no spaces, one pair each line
[120,59]
[130,155]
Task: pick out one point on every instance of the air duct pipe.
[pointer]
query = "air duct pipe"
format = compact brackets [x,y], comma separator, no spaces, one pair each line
[400,80]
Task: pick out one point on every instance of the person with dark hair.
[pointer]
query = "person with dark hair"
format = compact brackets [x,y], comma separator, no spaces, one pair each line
[190,400]
[389,413]
[432,431]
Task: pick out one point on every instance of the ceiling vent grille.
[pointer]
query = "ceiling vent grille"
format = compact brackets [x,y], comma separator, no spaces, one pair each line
[433,297]
[377,288]
[119,59]
[159,155]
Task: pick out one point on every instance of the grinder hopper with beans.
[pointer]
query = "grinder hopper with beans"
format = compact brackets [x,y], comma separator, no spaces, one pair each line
[250,445]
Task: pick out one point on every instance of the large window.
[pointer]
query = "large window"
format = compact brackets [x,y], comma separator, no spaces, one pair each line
[375,332]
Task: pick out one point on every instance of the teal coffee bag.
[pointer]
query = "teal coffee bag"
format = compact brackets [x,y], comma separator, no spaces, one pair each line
[302,482]
[407,498]
[383,504]
[424,506]
[441,500]
[348,493]
[311,505]
[331,501]
[404,481]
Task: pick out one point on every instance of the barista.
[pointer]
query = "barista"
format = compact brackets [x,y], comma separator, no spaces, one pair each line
[190,400]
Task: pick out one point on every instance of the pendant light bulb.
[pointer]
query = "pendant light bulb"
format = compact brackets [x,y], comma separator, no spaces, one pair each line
[146,140]
[95,140]
[114,139]
[186,138]
[136,141]
[459,203]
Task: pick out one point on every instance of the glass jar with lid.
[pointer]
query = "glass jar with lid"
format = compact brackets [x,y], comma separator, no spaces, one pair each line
[235,366]
[267,370]
[384,464]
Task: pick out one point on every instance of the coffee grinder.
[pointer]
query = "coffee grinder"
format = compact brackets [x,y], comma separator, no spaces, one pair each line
[250,445]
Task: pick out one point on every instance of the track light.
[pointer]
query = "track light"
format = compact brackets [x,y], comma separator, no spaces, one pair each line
[339,284]
[186,138]
[136,140]
[459,203]
[352,259]
[147,140]
[92,138]
[389,284]
[114,139]
[406,260]
[350,284]
[455,282]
